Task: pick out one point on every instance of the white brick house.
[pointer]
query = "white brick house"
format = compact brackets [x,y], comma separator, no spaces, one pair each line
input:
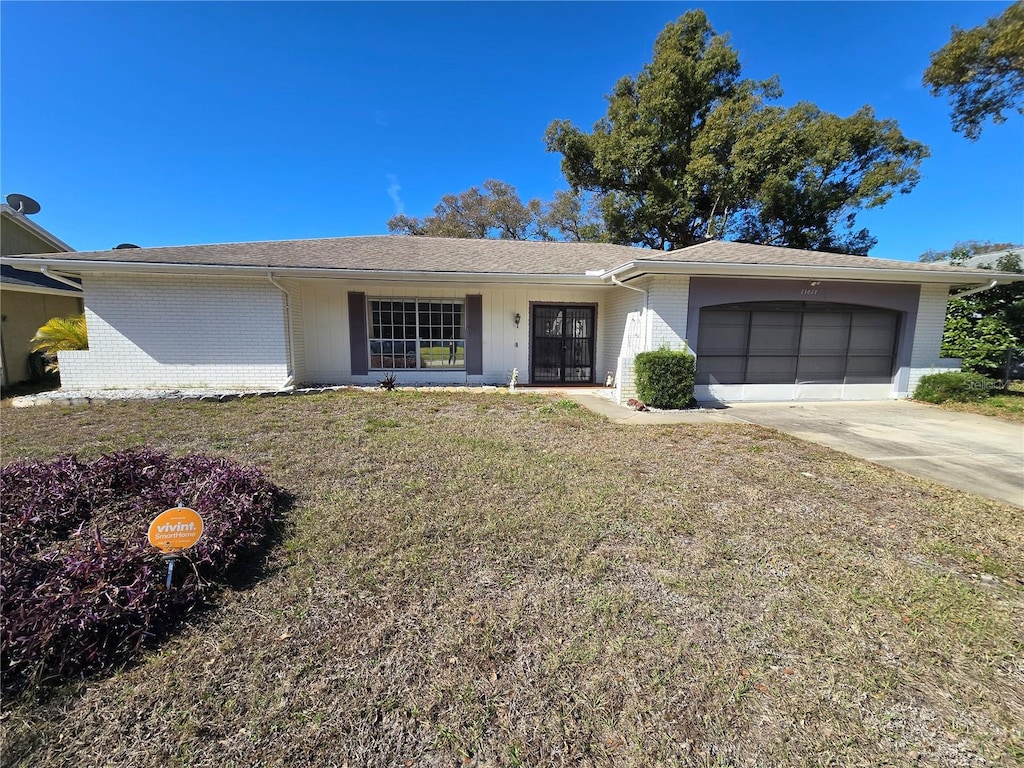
[766,323]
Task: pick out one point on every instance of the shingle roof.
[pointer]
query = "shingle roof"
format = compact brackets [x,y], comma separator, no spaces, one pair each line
[398,253]
[386,253]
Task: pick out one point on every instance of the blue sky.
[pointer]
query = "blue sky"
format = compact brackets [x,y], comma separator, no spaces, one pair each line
[177,123]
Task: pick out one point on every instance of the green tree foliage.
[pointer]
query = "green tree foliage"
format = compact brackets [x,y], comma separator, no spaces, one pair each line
[980,328]
[60,334]
[964,250]
[497,211]
[571,217]
[689,150]
[981,71]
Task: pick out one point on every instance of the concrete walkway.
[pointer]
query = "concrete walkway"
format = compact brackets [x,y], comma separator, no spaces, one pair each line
[973,453]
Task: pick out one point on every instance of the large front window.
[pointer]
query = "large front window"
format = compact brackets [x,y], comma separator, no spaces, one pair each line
[410,333]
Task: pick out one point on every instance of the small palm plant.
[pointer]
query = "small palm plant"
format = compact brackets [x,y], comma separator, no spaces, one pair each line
[60,334]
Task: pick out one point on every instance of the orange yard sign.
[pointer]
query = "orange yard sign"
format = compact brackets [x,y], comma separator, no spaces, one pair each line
[175,529]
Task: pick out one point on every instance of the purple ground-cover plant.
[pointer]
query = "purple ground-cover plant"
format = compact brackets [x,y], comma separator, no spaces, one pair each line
[81,589]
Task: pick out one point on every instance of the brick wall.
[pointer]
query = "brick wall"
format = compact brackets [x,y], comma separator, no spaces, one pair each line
[226,333]
[624,335]
[669,304]
[931,317]
[636,329]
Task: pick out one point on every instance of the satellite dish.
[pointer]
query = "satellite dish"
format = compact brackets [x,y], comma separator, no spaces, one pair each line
[23,204]
[124,245]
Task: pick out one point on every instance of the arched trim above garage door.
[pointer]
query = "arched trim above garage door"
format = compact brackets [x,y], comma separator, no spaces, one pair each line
[796,342]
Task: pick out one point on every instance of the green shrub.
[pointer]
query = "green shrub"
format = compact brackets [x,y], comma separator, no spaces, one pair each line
[957,386]
[664,379]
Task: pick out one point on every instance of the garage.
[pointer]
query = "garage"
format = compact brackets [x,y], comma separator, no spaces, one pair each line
[796,342]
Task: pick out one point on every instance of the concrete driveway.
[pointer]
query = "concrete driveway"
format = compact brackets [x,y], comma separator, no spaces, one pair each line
[960,450]
[979,454]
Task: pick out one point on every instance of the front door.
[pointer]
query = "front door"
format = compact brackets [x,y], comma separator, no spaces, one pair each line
[563,344]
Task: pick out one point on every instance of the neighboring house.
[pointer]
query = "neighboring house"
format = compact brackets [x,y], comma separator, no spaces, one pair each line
[27,298]
[766,323]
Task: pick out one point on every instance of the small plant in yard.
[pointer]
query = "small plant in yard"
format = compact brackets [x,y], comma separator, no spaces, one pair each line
[664,378]
[388,383]
[954,386]
[83,590]
[60,334]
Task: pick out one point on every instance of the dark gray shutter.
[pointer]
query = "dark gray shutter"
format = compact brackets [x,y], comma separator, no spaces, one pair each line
[357,338]
[475,335]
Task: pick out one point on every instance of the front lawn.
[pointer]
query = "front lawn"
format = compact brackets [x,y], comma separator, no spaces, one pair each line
[499,580]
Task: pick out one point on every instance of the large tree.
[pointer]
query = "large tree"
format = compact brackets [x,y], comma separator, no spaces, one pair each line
[689,150]
[572,217]
[981,71]
[497,211]
[981,327]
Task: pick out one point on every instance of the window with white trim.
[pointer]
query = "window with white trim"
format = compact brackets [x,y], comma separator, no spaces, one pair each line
[417,334]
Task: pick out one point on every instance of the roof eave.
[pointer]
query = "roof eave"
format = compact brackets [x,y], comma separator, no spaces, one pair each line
[80,266]
[634,269]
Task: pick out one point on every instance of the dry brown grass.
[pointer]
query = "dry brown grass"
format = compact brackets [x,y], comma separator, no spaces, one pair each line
[497,580]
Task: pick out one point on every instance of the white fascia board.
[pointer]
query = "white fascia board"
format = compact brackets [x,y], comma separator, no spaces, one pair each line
[80,267]
[635,269]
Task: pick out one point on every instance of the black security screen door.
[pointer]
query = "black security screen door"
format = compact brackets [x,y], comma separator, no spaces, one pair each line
[563,344]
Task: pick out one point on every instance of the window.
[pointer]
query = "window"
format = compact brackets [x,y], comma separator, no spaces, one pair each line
[796,342]
[410,333]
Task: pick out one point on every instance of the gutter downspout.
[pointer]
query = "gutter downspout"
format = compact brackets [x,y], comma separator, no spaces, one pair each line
[644,324]
[290,381]
[616,281]
[970,291]
[647,298]
[46,273]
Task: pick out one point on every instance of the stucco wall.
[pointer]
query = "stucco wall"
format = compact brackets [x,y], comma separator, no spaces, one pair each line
[23,314]
[152,331]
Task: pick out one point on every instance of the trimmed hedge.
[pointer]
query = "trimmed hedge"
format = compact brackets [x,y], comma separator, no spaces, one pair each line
[664,379]
[82,589]
[955,386]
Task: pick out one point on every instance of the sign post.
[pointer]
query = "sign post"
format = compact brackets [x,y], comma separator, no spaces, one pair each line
[174,531]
